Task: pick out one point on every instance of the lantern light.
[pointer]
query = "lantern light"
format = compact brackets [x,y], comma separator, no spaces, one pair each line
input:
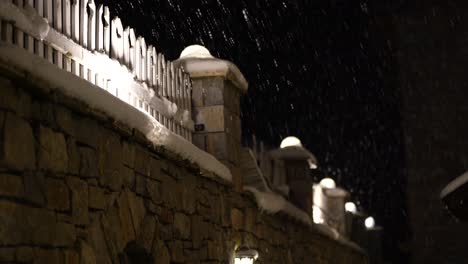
[328,183]
[351,207]
[369,222]
[245,255]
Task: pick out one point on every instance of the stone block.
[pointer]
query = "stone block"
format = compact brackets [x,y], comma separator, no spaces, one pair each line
[199,140]
[24,254]
[188,196]
[155,168]
[22,225]
[98,242]
[128,154]
[79,200]
[165,232]
[182,227]
[198,230]
[88,162]
[53,154]
[166,216]
[213,91]
[237,219]
[223,147]
[65,235]
[15,100]
[231,97]
[154,191]
[124,212]
[146,233]
[11,185]
[64,119]
[73,157]
[142,162]
[250,219]
[8,95]
[214,250]
[197,92]
[177,251]
[34,188]
[137,210]
[87,255]
[97,198]
[110,161]
[46,256]
[211,117]
[88,132]
[141,185]
[161,253]
[168,189]
[18,148]
[128,177]
[71,257]
[7,255]
[57,195]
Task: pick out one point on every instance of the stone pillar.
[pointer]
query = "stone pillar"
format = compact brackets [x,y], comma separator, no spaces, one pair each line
[217,86]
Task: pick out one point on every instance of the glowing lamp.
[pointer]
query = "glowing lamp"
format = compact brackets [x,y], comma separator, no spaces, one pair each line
[369,222]
[328,183]
[245,255]
[350,207]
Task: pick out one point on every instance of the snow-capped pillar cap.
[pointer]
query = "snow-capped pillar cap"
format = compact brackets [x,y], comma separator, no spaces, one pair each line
[198,62]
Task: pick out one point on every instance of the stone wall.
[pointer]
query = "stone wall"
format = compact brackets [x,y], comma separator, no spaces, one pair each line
[77,187]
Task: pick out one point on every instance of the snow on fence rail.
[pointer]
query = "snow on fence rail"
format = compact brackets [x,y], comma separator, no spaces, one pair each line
[80,37]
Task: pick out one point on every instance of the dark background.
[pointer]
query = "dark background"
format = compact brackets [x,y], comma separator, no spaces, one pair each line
[323,71]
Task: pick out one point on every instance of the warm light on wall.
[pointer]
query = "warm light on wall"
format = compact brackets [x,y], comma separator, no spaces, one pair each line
[244,255]
[369,222]
[351,207]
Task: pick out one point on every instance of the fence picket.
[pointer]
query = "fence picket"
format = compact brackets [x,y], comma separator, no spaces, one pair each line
[91,25]
[19,38]
[40,7]
[83,23]
[100,29]
[75,20]
[142,54]
[57,10]
[106,27]
[116,39]
[67,18]
[49,11]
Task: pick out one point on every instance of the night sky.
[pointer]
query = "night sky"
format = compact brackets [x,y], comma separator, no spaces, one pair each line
[319,70]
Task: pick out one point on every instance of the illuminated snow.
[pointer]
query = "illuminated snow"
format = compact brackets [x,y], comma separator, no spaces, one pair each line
[369,222]
[328,183]
[96,98]
[195,51]
[291,142]
[351,207]
[455,184]
[25,18]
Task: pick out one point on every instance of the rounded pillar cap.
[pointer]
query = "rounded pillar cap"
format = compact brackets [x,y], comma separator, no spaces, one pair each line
[195,51]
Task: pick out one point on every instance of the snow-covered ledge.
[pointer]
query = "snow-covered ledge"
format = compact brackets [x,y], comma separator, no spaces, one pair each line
[39,70]
[273,203]
[198,62]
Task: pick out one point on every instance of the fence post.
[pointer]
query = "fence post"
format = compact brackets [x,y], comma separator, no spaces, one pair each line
[216,89]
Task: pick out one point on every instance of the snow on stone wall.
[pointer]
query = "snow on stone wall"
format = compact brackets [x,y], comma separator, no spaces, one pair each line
[82,39]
